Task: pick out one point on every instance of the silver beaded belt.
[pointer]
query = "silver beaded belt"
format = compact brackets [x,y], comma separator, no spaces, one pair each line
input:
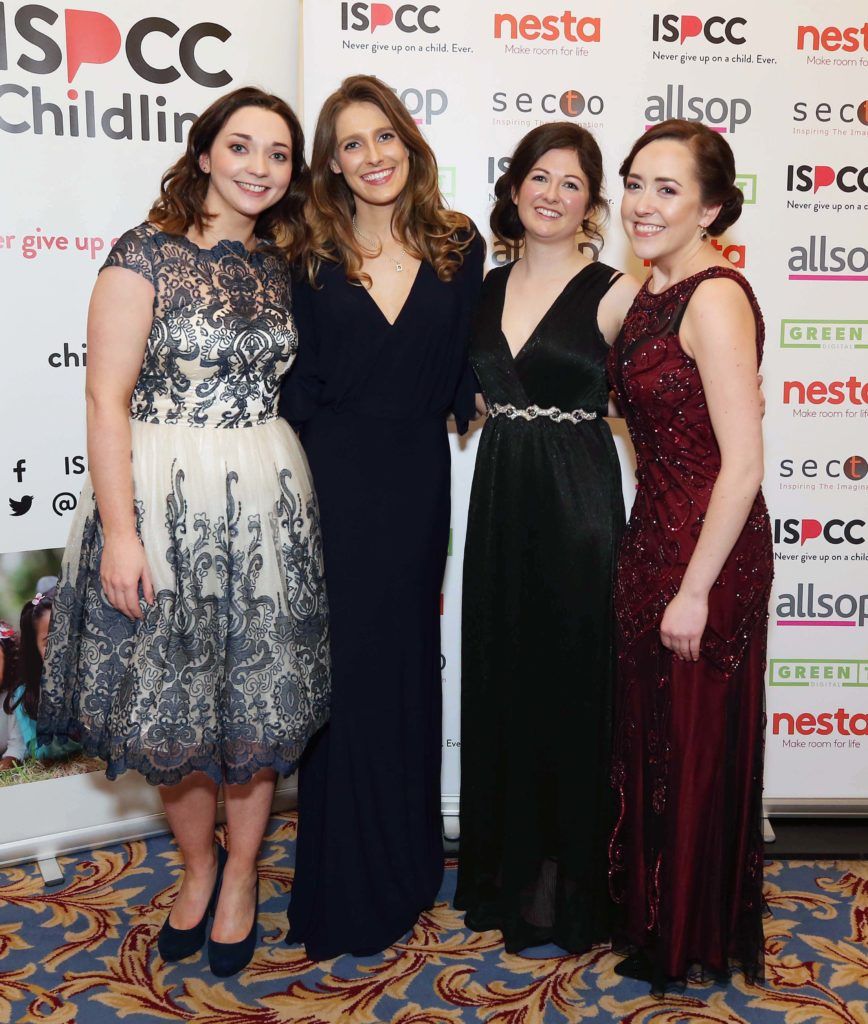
[532,412]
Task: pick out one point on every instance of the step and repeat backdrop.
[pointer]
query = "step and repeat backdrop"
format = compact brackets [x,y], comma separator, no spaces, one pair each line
[786,83]
[95,104]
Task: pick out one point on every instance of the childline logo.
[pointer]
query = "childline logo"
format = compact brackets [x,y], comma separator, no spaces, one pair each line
[548,27]
[670,28]
[818,672]
[818,261]
[361,17]
[829,334]
[807,608]
[722,115]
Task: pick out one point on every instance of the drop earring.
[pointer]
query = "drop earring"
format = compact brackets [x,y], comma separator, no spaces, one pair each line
[703,234]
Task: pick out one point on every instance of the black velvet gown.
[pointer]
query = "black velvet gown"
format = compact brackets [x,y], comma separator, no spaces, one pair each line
[372,400]
[546,512]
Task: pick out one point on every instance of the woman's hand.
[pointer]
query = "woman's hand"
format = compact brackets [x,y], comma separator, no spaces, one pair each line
[123,565]
[683,624]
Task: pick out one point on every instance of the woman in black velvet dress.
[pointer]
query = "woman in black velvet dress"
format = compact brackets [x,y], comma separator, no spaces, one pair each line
[546,512]
[382,361]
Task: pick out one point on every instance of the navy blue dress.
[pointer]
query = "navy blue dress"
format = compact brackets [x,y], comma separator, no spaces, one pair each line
[371,399]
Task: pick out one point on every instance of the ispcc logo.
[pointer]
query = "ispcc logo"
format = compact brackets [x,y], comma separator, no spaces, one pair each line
[670,28]
[811,178]
[833,531]
[361,17]
[91,37]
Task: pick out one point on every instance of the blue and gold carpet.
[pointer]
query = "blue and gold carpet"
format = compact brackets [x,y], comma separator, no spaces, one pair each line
[85,954]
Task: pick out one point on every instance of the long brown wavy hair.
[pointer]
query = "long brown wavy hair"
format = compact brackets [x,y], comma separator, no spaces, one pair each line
[420,221]
[181,204]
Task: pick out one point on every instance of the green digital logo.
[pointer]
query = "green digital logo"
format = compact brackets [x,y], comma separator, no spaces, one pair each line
[817,672]
[824,334]
[447,182]
[747,184]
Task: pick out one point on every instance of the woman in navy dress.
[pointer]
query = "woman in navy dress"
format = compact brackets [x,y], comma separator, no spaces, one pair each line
[383,329]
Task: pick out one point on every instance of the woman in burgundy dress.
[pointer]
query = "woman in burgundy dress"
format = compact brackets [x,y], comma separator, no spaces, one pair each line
[693,579]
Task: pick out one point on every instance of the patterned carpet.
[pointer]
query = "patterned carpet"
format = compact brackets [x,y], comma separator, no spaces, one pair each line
[84,954]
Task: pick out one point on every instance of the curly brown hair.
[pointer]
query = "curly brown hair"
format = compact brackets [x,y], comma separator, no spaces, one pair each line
[184,186]
[9,668]
[420,222]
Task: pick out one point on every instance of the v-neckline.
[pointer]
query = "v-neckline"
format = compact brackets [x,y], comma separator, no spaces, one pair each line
[379,308]
[515,356]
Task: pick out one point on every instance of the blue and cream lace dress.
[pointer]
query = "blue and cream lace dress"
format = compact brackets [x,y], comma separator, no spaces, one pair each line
[228,672]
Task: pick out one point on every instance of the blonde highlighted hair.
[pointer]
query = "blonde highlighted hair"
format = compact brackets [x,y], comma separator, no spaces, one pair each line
[421,222]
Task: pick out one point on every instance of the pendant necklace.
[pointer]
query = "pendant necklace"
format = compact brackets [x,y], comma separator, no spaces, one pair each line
[372,242]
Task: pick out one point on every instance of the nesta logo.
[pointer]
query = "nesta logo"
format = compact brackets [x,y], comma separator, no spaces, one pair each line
[407,17]
[847,113]
[818,392]
[810,37]
[567,26]
[835,531]
[824,724]
[723,115]
[853,467]
[667,28]
[805,178]
[93,38]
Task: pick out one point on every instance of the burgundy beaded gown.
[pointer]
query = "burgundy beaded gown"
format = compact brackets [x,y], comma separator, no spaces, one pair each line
[686,854]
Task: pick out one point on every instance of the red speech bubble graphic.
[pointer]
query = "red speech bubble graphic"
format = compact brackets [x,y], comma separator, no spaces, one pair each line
[823,176]
[381,14]
[91,38]
[811,528]
[690,26]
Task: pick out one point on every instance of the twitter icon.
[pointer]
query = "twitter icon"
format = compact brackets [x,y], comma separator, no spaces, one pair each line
[22,506]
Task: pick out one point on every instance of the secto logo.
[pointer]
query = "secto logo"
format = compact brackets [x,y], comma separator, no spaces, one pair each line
[360,17]
[91,37]
[570,103]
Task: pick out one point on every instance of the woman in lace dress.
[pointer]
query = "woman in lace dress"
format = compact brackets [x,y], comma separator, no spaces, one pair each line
[189,638]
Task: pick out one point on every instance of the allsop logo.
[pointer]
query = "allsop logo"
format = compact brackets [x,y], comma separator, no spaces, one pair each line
[720,114]
[806,607]
[817,672]
[824,334]
[671,28]
[819,261]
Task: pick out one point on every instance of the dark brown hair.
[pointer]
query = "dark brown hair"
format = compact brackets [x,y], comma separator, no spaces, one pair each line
[30,660]
[420,222]
[181,204]
[713,161]
[505,222]
[9,675]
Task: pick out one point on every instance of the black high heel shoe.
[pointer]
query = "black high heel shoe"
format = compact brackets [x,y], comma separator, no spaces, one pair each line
[228,958]
[179,943]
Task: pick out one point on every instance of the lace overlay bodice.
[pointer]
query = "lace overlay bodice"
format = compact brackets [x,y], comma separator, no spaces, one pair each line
[222,335]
